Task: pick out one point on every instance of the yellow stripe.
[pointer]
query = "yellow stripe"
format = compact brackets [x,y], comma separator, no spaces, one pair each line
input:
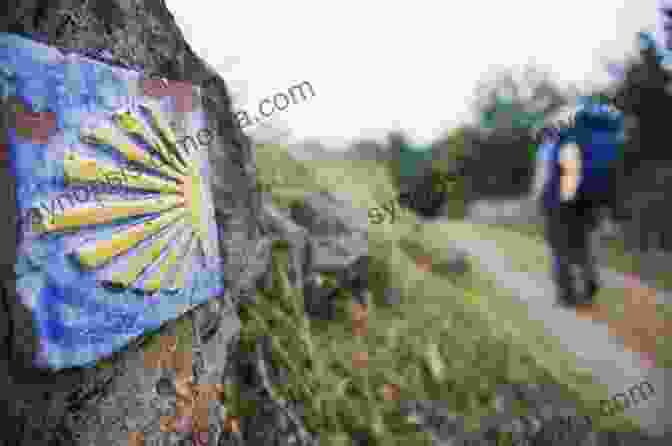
[131,152]
[87,170]
[158,277]
[138,263]
[103,251]
[112,211]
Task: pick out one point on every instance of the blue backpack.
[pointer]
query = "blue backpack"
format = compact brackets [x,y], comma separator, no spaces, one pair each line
[598,131]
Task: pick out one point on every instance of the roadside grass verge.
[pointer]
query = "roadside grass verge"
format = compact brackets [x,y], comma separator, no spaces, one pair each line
[477,333]
[527,252]
[611,253]
[618,258]
[435,345]
[507,319]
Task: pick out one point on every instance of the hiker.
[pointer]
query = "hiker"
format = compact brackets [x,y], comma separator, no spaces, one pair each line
[575,180]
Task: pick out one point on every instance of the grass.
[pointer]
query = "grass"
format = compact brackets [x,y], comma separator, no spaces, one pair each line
[438,349]
[622,260]
[507,317]
[532,256]
[339,398]
[612,254]
[452,338]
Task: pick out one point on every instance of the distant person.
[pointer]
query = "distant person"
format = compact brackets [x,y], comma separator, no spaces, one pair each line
[575,179]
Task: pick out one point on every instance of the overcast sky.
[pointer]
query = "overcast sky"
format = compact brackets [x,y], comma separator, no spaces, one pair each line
[378,65]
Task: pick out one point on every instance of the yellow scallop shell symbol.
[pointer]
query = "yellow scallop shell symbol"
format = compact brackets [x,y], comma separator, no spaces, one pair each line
[157,251]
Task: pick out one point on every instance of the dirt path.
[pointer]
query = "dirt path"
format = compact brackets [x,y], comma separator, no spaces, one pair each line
[617,351]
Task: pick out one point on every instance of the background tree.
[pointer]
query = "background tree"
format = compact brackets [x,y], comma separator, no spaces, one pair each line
[396,141]
[500,150]
[645,172]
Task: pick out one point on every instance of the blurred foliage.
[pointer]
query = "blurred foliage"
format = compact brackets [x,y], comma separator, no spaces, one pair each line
[438,351]
[279,170]
[498,150]
[444,339]
[494,158]
[645,171]
[491,159]
[396,141]
[340,400]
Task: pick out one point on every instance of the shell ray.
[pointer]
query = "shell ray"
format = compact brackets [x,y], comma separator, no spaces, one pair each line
[112,211]
[88,170]
[132,126]
[156,237]
[130,151]
[166,133]
[102,251]
[157,279]
[138,263]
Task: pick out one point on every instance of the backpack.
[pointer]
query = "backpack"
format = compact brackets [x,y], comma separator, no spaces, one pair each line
[598,131]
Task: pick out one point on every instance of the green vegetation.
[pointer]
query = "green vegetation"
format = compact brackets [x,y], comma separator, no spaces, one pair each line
[612,254]
[443,350]
[531,255]
[618,258]
[453,337]
[451,164]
